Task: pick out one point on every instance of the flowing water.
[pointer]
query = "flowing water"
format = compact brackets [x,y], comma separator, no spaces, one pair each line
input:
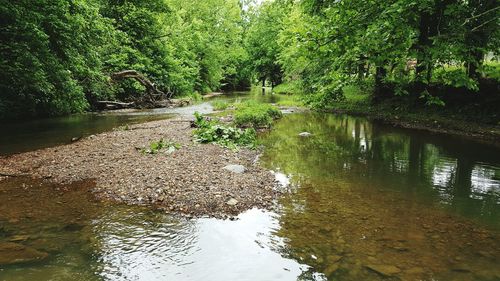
[366,202]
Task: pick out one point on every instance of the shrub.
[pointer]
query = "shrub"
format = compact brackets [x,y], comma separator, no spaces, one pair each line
[227,136]
[220,105]
[257,115]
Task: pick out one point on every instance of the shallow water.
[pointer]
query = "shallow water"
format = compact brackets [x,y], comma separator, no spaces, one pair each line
[372,195]
[27,135]
[87,240]
[366,200]
[22,136]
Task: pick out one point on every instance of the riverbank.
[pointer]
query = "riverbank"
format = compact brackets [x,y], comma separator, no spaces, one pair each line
[187,178]
[471,115]
[444,123]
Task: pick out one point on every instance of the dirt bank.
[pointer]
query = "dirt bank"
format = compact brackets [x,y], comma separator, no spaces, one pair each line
[191,180]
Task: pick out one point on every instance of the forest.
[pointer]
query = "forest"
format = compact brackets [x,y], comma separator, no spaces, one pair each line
[58,57]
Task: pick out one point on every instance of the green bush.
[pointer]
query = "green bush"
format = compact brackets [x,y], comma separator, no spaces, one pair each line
[220,105]
[227,136]
[195,96]
[256,115]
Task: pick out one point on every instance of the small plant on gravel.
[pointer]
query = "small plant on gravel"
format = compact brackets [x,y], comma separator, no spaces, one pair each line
[157,146]
[211,131]
[123,128]
[220,105]
[256,115]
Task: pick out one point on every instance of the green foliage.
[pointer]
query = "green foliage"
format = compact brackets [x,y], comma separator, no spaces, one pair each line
[195,96]
[220,105]
[288,88]
[356,94]
[256,115]
[224,135]
[57,55]
[167,147]
[324,46]
[430,99]
[265,23]
[492,70]
[50,56]
[455,78]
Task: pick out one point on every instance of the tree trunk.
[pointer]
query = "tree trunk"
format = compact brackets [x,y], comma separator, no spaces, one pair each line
[380,74]
[153,94]
[474,64]
[423,45]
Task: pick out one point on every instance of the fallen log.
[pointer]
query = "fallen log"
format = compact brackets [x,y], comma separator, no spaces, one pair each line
[105,104]
[153,94]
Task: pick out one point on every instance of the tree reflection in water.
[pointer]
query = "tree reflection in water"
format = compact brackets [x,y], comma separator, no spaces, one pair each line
[368,194]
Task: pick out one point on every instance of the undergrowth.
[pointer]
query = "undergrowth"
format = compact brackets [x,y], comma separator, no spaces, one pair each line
[220,105]
[256,115]
[161,145]
[211,131]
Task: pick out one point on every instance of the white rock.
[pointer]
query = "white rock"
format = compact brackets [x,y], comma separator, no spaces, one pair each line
[305,134]
[232,202]
[238,169]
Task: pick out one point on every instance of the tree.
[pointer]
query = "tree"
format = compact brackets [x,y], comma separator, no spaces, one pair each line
[50,56]
[266,22]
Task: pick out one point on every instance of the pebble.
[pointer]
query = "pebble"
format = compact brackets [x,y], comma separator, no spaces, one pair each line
[121,173]
[238,169]
[232,202]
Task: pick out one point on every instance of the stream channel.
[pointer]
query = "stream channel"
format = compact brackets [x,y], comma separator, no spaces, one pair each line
[367,201]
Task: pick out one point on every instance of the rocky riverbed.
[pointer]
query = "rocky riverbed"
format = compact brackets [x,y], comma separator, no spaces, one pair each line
[195,179]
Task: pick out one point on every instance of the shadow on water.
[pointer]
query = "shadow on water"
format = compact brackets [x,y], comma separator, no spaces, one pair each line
[22,136]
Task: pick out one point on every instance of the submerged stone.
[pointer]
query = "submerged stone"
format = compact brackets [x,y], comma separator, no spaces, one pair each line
[19,238]
[385,270]
[238,169]
[14,253]
[331,269]
[333,258]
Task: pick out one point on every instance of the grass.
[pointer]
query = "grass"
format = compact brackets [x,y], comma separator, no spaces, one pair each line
[220,105]
[492,70]
[291,100]
[288,88]
[256,115]
[354,94]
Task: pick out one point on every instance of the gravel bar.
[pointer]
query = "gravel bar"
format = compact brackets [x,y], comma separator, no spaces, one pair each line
[190,181]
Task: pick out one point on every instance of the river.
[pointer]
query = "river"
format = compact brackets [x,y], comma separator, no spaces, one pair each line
[367,202]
